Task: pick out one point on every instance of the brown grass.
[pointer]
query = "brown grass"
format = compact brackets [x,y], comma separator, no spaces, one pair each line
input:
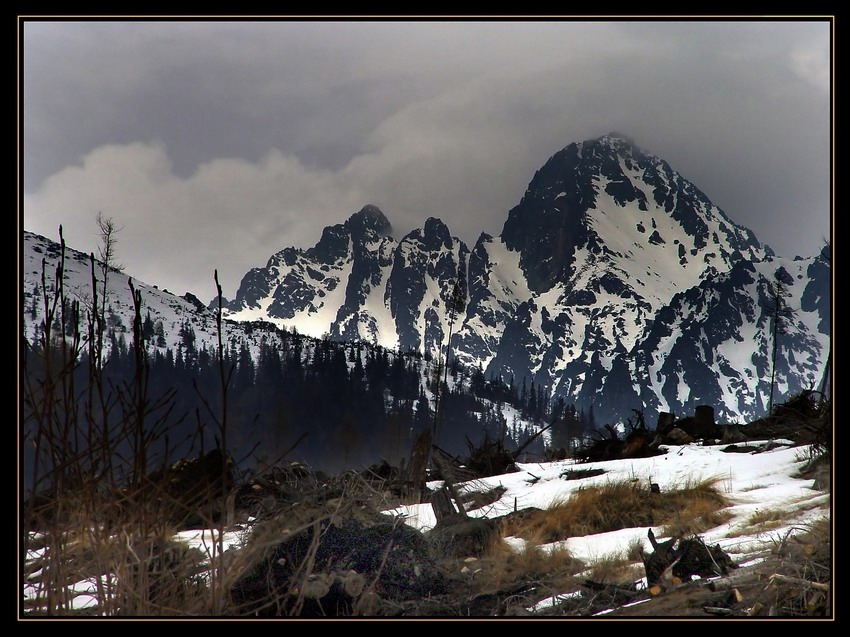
[692,507]
[634,552]
[768,516]
[764,520]
[618,569]
[503,567]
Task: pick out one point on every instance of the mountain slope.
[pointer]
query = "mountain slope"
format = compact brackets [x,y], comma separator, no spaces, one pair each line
[163,307]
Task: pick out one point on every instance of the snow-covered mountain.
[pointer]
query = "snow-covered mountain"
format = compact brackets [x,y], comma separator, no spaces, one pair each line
[615,283]
[357,283]
[601,252]
[168,312]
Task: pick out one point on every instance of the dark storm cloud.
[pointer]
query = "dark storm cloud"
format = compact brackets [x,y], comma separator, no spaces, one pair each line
[217,145]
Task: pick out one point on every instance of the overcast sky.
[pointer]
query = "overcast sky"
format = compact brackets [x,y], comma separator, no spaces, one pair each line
[214,145]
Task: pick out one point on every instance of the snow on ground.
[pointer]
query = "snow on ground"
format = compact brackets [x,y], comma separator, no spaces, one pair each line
[753,482]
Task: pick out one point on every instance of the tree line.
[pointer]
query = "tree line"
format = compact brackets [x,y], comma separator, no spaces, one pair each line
[330,404]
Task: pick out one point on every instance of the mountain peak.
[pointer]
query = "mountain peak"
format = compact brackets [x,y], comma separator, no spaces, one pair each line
[369,217]
[437,232]
[618,142]
[616,137]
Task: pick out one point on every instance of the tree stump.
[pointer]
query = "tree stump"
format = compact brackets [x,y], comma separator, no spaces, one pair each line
[416,470]
[444,509]
[704,425]
[665,422]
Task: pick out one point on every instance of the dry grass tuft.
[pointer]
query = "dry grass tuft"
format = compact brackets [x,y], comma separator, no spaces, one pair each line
[692,507]
[503,567]
[768,517]
[617,569]
[765,520]
[635,550]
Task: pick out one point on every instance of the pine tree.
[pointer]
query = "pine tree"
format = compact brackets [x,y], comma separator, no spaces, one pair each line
[36,295]
[523,399]
[780,314]
[532,401]
[477,384]
[244,369]
[159,333]
[147,327]
[187,336]
[454,306]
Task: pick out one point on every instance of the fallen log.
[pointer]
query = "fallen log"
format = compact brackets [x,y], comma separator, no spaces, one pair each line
[732,581]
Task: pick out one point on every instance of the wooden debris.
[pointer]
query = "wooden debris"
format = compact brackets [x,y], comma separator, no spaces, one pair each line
[716,610]
[704,421]
[612,590]
[416,472]
[441,503]
[657,563]
[678,436]
[738,449]
[639,442]
[787,579]
[477,499]
[732,434]
[803,418]
[665,422]
[732,581]
[690,557]
[815,602]
[579,474]
[667,577]
[756,609]
[449,478]
[463,538]
[490,458]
